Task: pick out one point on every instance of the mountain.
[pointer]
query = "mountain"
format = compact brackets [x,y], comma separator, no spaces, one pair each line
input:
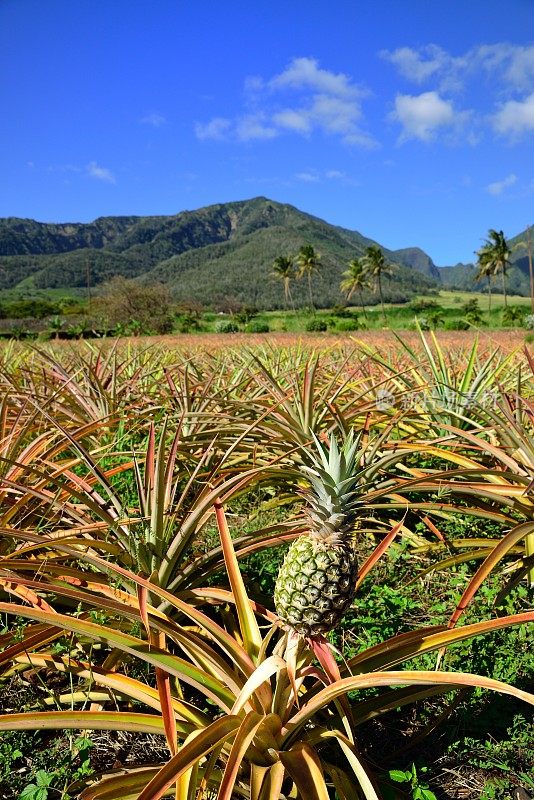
[417,259]
[224,250]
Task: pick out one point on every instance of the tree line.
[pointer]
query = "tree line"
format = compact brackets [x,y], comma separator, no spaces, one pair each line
[367,272]
[363,273]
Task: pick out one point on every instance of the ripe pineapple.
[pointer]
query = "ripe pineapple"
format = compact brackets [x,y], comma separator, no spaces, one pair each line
[317,581]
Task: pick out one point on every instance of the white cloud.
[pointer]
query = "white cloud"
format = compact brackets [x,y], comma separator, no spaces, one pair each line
[155,120]
[255,127]
[320,176]
[289,118]
[514,62]
[218,128]
[498,187]
[418,65]
[421,116]
[508,65]
[301,100]
[305,73]
[515,118]
[100,173]
[308,177]
[335,174]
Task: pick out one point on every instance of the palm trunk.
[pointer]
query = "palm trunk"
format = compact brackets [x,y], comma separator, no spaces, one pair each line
[504,288]
[310,292]
[362,305]
[381,299]
[489,294]
[291,298]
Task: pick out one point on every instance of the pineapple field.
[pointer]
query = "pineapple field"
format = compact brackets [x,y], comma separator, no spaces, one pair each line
[250,570]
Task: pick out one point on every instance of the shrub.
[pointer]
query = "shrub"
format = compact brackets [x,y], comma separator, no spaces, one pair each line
[424,305]
[429,322]
[316,326]
[472,312]
[456,325]
[512,315]
[341,311]
[257,327]
[123,301]
[348,325]
[245,314]
[36,309]
[226,326]
[190,316]
[528,322]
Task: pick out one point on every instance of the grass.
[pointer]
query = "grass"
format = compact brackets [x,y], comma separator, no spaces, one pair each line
[398,317]
[451,299]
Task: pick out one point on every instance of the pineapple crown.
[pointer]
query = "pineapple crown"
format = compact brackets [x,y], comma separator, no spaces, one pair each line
[334,475]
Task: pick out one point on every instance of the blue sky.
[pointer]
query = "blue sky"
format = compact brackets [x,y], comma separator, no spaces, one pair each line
[411,122]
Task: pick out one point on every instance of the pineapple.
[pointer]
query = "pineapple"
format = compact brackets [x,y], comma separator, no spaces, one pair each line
[317,581]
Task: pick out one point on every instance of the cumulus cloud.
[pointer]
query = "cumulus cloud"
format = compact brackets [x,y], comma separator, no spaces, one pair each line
[99,173]
[335,174]
[421,116]
[515,118]
[289,118]
[302,99]
[498,187]
[510,65]
[255,126]
[306,73]
[320,176]
[154,120]
[418,65]
[308,177]
[217,129]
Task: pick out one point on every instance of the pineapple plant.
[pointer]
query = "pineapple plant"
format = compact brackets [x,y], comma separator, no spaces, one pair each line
[317,580]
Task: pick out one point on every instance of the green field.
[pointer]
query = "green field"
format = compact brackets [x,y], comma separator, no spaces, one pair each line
[55,312]
[398,317]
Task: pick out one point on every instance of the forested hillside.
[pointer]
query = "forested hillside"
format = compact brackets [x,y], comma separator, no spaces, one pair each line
[219,251]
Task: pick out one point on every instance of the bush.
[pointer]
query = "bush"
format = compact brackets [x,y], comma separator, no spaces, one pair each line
[143,308]
[528,322]
[456,325]
[424,305]
[34,309]
[316,326]
[430,321]
[472,312]
[190,316]
[257,327]
[226,326]
[348,325]
[245,314]
[512,315]
[341,311]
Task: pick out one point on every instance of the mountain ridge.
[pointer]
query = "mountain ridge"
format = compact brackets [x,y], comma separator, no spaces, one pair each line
[225,249]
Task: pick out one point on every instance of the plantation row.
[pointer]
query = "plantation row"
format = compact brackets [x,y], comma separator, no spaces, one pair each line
[151,637]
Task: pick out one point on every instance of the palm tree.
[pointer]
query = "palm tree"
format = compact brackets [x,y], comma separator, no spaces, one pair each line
[308,262]
[495,255]
[284,270]
[375,266]
[355,279]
